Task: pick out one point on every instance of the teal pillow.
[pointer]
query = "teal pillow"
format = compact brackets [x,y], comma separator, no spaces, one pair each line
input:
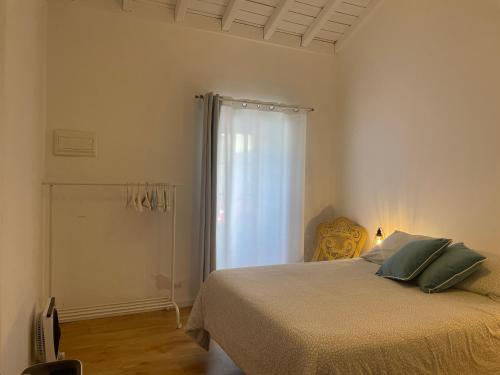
[455,264]
[412,259]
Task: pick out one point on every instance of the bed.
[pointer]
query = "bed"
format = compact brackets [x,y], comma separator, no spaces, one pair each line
[339,318]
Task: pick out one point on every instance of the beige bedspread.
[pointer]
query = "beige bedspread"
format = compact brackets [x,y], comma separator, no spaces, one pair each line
[339,318]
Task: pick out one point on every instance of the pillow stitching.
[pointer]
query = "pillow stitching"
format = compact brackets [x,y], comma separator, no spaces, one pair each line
[455,275]
[429,259]
[408,278]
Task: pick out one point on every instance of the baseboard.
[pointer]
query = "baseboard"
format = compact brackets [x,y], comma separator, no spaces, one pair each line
[116,309]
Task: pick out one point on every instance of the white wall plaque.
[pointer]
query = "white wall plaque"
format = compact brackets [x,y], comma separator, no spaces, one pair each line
[74,143]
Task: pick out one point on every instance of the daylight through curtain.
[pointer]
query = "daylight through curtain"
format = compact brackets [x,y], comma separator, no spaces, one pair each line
[260,187]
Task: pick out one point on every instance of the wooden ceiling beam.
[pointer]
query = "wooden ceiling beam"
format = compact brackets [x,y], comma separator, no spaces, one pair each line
[181,8]
[323,17]
[230,14]
[277,16]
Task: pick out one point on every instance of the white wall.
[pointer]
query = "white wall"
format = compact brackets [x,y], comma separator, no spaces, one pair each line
[132,79]
[419,115]
[22,119]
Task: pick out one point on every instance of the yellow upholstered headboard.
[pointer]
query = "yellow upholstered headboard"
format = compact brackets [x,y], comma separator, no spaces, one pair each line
[339,239]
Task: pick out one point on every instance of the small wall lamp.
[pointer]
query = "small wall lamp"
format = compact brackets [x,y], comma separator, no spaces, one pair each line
[379,237]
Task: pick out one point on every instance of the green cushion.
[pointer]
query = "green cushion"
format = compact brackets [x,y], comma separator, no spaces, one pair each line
[455,264]
[412,259]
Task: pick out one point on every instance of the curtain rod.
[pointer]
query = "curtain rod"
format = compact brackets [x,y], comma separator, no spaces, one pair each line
[228,99]
[53,183]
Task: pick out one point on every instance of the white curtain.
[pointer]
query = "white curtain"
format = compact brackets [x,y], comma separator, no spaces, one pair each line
[260,187]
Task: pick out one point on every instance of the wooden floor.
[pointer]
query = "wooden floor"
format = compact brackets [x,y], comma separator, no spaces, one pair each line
[145,343]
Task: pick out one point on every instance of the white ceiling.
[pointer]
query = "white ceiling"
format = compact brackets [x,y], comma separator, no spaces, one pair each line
[327,21]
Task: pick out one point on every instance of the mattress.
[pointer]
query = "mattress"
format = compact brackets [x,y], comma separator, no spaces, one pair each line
[339,318]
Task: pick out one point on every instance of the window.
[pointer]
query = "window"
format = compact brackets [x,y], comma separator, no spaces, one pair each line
[260,187]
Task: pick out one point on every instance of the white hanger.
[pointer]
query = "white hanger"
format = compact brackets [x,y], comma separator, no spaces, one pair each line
[168,200]
[146,201]
[161,198]
[137,199]
[130,197]
[154,197]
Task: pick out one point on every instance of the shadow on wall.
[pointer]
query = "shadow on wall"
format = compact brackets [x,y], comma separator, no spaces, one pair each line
[328,213]
[19,339]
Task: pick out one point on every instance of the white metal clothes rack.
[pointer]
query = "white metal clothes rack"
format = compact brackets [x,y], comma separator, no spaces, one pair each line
[170,303]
